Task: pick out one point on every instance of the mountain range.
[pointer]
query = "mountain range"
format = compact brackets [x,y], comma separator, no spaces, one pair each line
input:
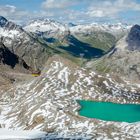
[46,66]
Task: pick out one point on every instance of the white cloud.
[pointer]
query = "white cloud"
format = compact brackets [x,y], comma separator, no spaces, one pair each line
[96,13]
[11,11]
[111,8]
[7,9]
[19,16]
[11,8]
[51,4]
[99,9]
[73,10]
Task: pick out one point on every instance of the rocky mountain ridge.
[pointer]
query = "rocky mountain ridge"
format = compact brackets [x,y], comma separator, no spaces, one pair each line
[133,38]
[51,26]
[20,43]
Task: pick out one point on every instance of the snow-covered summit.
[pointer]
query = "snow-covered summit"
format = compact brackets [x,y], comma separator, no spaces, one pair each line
[45,25]
[55,28]
[9,29]
[11,32]
[111,28]
[52,26]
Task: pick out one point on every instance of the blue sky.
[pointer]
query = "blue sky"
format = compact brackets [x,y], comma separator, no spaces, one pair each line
[76,11]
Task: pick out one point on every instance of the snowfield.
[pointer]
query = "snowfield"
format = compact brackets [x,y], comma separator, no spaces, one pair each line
[18,134]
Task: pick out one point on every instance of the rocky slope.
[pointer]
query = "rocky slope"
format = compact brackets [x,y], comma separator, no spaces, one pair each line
[10,59]
[10,64]
[19,52]
[48,102]
[20,43]
[124,58]
[133,38]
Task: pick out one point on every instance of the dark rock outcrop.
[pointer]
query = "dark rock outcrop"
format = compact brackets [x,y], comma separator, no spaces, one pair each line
[7,57]
[133,38]
[3,21]
[10,59]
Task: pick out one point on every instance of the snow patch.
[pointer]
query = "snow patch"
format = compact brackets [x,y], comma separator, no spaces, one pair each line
[21,134]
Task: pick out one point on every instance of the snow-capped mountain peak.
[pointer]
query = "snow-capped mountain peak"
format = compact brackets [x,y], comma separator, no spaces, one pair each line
[110,28]
[9,30]
[45,25]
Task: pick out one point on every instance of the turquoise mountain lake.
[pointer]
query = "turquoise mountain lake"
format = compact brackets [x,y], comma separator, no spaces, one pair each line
[110,111]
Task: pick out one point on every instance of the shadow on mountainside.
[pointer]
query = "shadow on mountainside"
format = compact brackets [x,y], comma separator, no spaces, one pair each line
[81,49]
[7,57]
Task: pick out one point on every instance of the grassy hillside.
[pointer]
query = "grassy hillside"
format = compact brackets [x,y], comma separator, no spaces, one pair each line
[100,40]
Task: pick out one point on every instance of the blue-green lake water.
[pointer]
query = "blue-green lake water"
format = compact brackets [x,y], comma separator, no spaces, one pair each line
[110,111]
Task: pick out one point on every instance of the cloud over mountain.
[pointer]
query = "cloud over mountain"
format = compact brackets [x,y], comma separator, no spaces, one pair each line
[110,8]
[69,10]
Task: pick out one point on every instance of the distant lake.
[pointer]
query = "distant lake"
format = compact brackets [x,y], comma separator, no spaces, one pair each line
[110,111]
